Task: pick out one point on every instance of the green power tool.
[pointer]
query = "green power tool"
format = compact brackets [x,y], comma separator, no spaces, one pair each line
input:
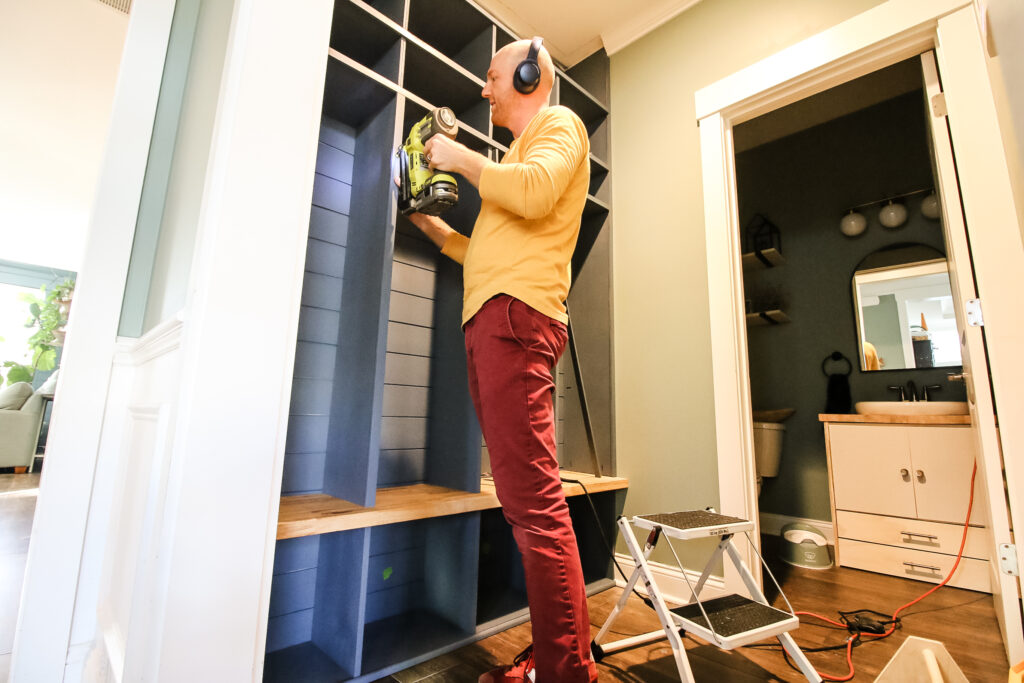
[421,189]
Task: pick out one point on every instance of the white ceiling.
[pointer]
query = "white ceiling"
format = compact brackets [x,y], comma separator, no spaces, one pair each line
[575,29]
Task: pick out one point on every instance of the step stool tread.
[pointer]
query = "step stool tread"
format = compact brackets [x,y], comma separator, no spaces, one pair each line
[691,519]
[732,614]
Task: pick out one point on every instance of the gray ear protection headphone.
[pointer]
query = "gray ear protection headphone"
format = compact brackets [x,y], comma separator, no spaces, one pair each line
[527,75]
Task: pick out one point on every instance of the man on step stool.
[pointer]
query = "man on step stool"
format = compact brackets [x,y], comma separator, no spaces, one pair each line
[516,276]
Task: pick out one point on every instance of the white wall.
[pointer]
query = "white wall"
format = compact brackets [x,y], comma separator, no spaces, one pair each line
[58,67]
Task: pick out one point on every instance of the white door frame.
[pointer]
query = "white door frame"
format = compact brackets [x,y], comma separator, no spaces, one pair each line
[879,37]
[55,555]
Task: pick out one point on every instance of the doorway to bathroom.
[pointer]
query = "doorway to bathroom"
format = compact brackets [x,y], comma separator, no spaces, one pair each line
[815,180]
[979,179]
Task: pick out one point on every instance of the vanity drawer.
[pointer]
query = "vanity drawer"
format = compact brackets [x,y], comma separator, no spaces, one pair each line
[914,564]
[933,537]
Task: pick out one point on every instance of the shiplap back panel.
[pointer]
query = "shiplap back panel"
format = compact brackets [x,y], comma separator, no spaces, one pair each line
[395,581]
[405,414]
[295,563]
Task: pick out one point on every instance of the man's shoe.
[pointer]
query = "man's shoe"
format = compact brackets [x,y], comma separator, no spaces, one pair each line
[520,671]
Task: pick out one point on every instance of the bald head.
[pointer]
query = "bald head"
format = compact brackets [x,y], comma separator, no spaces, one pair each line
[509,57]
[510,108]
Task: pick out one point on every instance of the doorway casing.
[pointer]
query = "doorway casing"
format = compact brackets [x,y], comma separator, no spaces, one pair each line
[884,35]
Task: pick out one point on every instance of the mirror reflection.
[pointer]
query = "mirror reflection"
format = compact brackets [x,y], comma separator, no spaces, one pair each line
[905,315]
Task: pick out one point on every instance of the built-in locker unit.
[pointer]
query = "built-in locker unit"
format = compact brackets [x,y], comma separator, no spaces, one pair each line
[391,543]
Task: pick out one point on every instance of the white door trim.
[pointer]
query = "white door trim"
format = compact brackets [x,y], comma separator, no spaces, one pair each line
[879,37]
[58,533]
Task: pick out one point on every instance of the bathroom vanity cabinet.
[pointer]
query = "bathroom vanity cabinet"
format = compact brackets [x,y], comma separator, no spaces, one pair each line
[899,497]
[391,543]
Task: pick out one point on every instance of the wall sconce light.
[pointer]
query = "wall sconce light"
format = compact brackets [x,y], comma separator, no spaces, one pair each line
[930,206]
[892,215]
[853,224]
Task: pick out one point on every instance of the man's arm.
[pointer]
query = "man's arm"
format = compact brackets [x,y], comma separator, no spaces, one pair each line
[452,243]
[531,187]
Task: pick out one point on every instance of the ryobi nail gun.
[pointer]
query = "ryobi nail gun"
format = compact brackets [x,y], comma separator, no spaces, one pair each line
[420,188]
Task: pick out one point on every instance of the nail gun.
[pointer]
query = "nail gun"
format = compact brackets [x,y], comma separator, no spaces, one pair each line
[420,188]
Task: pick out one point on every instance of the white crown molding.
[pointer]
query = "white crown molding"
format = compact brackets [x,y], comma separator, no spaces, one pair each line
[643,23]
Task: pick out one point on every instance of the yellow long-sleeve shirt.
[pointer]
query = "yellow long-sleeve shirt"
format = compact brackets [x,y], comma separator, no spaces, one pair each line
[531,203]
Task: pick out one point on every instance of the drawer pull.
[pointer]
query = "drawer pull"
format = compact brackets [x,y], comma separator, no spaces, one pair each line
[915,565]
[912,534]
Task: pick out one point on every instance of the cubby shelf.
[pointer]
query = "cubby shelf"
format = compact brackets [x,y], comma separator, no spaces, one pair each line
[313,514]
[763,258]
[772,317]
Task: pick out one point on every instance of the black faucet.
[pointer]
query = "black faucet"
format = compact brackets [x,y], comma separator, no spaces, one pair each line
[911,391]
[929,389]
[897,388]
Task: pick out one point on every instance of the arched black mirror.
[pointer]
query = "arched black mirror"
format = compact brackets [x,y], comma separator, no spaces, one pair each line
[903,309]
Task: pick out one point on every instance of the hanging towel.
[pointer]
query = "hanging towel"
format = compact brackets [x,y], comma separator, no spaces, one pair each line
[837,394]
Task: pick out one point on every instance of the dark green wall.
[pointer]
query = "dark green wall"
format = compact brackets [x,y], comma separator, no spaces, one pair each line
[803,184]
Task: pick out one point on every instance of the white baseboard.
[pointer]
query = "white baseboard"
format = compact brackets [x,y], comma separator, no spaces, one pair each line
[671,582]
[772,524]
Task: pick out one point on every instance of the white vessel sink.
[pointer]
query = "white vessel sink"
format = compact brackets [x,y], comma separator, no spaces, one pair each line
[911,408]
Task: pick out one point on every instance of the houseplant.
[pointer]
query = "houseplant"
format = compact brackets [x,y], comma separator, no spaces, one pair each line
[49,313]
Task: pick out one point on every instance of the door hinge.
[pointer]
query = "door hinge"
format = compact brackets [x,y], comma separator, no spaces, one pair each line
[973,309]
[939,105]
[1008,559]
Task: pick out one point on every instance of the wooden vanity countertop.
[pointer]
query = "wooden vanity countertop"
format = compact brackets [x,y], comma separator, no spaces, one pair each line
[897,419]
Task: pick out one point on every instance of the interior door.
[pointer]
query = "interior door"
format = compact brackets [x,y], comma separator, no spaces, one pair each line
[975,364]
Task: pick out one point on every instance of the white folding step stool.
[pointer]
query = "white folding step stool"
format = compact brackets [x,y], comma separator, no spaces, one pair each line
[727,622]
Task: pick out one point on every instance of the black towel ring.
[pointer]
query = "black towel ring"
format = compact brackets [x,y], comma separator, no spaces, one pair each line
[836,356]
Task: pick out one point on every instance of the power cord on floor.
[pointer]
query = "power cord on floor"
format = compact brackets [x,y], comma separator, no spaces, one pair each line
[859,623]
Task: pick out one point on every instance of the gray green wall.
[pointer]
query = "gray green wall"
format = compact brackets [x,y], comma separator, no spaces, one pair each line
[802,183]
[664,420]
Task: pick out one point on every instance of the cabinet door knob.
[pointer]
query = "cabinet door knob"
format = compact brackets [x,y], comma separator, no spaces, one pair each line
[920,475]
[904,472]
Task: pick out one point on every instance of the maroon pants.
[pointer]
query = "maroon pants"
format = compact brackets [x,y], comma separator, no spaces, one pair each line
[511,351]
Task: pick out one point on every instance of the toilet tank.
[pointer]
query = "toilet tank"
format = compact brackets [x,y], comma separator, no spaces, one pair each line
[768,447]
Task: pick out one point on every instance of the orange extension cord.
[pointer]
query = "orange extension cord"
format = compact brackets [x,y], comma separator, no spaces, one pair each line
[850,641]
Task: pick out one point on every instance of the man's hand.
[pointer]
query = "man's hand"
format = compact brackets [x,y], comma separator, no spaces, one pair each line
[445,154]
[433,227]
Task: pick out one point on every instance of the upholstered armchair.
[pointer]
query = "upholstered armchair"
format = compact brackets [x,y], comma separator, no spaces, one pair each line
[21,414]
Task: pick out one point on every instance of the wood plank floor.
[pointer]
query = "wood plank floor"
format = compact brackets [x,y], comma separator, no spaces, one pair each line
[963,620]
[17,505]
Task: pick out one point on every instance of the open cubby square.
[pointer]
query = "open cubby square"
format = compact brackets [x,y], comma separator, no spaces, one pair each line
[315,629]
[435,81]
[501,584]
[392,9]
[593,114]
[599,189]
[455,28]
[421,592]
[592,75]
[596,537]
[357,33]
